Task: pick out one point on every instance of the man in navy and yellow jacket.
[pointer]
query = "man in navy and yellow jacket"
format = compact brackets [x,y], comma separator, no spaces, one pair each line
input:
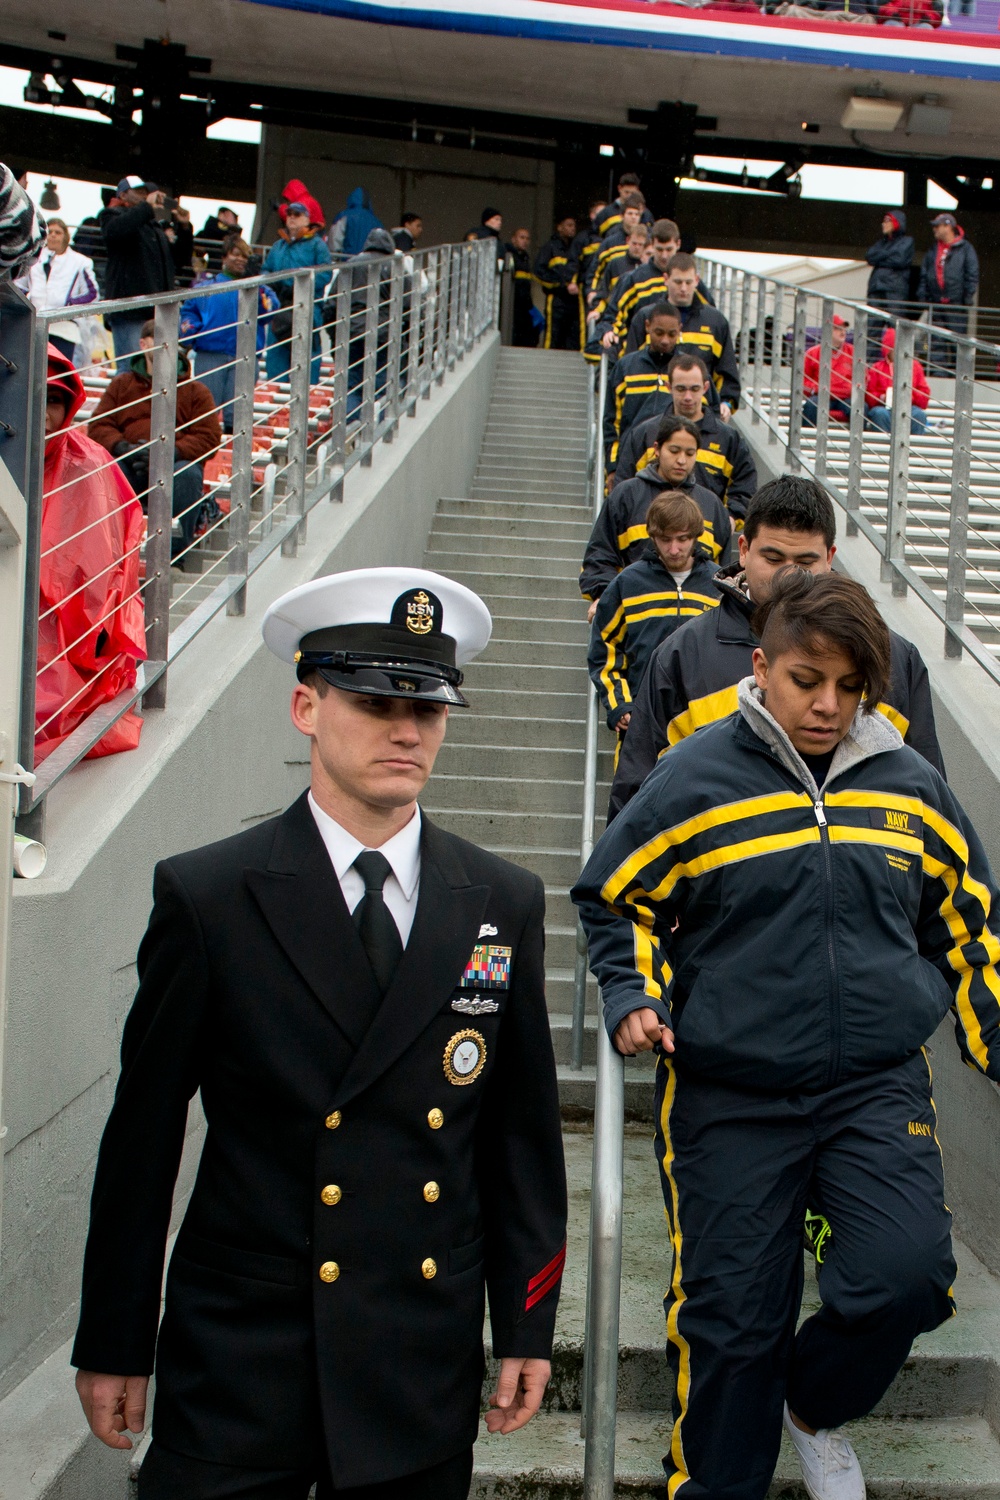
[564,317]
[786,912]
[639,376]
[725,463]
[702,327]
[692,678]
[672,581]
[620,532]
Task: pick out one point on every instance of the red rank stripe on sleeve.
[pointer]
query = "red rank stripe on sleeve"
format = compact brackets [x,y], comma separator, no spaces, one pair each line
[539,1286]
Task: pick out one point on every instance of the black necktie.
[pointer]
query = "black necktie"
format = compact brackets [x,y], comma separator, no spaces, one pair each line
[374,921]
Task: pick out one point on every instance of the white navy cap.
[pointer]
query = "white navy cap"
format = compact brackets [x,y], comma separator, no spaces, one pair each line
[392,632]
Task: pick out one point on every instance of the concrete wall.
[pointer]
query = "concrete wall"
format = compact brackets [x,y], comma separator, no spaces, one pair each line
[450,188]
[967,711]
[222,756]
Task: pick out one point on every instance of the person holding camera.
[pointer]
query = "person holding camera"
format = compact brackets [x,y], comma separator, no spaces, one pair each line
[140,259]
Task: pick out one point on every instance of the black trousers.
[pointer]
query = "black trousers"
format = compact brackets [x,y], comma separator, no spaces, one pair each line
[171,1476]
[736,1170]
[564,320]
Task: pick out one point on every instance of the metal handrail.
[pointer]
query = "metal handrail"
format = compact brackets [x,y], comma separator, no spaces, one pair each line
[599,1403]
[763,400]
[419,325]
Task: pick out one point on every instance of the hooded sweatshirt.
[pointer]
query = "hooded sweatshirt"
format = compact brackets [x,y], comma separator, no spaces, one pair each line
[295,191]
[891,257]
[91,630]
[619,536]
[353,224]
[879,377]
[725,463]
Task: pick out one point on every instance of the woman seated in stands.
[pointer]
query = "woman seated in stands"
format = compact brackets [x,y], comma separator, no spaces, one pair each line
[90,628]
[878,390]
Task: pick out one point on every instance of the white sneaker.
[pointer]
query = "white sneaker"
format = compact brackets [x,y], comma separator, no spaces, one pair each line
[830,1468]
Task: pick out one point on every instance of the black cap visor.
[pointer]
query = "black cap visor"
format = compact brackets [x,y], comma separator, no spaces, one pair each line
[417,681]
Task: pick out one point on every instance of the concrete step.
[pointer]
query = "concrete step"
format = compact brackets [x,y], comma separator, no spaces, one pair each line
[501,794]
[540,529]
[517,761]
[571,629]
[499,729]
[503,830]
[521,584]
[526,677]
[521,704]
[555,653]
[510,544]
[529,565]
[520,509]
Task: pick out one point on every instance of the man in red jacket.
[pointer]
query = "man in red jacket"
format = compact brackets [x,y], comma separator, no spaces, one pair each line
[878,390]
[840,377]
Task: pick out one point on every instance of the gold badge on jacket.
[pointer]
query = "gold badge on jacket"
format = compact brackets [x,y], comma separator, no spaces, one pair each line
[464,1057]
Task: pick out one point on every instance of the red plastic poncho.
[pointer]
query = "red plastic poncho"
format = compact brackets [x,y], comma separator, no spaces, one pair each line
[89,580]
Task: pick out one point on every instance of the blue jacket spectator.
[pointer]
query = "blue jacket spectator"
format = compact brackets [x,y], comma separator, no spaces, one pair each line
[352,226]
[208,326]
[300,246]
[891,258]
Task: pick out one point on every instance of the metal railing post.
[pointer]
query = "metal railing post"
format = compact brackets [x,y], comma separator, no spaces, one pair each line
[958,519]
[341,365]
[159,504]
[441,318]
[600,1352]
[394,350]
[366,432]
[454,282]
[777,356]
[856,439]
[823,393]
[590,743]
[899,459]
[300,351]
[744,334]
[31,819]
[411,321]
[796,394]
[241,479]
[758,352]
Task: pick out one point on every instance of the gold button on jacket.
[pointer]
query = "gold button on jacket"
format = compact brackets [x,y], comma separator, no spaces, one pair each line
[332,1121]
[429,1269]
[329,1270]
[331,1195]
[435,1119]
[431,1192]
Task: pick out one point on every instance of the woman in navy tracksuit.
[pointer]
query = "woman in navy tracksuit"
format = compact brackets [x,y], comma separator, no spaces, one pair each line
[787,910]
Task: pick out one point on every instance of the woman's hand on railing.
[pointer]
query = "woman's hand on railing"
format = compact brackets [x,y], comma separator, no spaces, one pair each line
[641,1031]
[520,1388]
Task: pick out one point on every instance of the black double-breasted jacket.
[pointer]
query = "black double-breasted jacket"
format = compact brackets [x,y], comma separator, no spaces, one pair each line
[359,1188]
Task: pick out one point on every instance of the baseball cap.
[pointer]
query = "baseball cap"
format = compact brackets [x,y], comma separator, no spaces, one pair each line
[135,182]
[946,219]
[296,208]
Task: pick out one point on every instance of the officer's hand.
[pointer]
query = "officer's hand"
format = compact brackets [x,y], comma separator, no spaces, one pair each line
[518,1394]
[592,611]
[640,1031]
[112,1404]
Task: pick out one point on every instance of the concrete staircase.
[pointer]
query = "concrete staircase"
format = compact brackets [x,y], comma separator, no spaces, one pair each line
[510,775]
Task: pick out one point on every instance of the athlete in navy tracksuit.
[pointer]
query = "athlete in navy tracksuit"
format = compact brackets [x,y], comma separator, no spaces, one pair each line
[788,909]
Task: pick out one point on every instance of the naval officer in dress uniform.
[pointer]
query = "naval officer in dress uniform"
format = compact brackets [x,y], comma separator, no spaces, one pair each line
[359,997]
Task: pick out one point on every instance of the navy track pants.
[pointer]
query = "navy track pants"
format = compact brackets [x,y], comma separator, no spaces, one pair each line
[736,1169]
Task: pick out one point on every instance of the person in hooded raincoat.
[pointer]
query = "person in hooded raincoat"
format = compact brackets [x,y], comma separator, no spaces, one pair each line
[295,191]
[353,225]
[91,630]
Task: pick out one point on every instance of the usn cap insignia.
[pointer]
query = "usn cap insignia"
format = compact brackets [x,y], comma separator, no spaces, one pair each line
[419,611]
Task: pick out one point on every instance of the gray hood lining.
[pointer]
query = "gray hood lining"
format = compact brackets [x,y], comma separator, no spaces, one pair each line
[870,734]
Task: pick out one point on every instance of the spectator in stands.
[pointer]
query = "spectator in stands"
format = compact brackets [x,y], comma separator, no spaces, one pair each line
[672,581]
[296,192]
[22,228]
[353,224]
[89,240]
[90,629]
[840,377]
[208,325]
[878,390]
[890,258]
[949,281]
[411,227]
[122,423]
[217,226]
[563,308]
[299,245]
[140,259]
[525,331]
[379,243]
[180,232]
[62,277]
[490,224]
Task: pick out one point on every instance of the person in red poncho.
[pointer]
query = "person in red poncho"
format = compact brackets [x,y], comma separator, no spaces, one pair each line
[295,191]
[840,377]
[91,630]
[878,382]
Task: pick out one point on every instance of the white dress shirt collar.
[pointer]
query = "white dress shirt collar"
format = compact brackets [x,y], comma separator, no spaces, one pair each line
[402,850]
